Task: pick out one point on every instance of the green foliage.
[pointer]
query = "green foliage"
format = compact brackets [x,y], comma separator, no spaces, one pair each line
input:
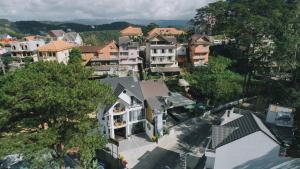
[216,82]
[75,56]
[47,104]
[28,60]
[149,27]
[100,37]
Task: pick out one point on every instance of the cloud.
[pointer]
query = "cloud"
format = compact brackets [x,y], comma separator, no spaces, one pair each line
[99,9]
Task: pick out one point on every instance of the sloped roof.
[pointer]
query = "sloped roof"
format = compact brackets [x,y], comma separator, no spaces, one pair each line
[130,84]
[56,33]
[153,88]
[170,39]
[55,46]
[200,39]
[239,128]
[70,36]
[131,31]
[166,31]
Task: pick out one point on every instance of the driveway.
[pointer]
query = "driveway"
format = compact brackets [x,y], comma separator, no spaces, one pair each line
[189,138]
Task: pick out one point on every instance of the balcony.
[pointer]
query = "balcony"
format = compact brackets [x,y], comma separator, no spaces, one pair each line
[119,123]
[119,109]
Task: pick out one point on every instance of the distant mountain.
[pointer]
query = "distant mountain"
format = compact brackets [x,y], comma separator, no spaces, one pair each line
[144,22]
[42,27]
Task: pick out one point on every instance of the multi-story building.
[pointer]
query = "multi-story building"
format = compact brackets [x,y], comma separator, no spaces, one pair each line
[161,54]
[141,106]
[106,61]
[199,49]
[129,54]
[56,34]
[55,51]
[26,49]
[126,116]
[240,141]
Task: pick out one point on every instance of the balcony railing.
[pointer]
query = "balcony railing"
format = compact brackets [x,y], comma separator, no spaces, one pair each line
[118,111]
[119,123]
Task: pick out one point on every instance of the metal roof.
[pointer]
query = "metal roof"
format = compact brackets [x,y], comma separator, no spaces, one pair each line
[130,84]
[177,100]
[247,124]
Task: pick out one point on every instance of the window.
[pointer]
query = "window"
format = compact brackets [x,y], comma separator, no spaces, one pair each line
[37,45]
[163,51]
[170,50]
[154,51]
[14,47]
[170,58]
[26,47]
[161,59]
[153,58]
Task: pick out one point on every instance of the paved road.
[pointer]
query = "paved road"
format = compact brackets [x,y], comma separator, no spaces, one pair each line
[189,137]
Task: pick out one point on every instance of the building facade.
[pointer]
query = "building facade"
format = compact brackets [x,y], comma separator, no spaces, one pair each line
[55,51]
[199,49]
[26,49]
[161,53]
[126,116]
[129,54]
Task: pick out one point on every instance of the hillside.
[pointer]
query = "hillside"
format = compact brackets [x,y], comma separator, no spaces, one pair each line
[42,27]
[99,37]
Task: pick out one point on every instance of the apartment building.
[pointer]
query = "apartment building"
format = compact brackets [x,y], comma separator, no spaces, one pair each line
[25,49]
[199,49]
[161,54]
[129,54]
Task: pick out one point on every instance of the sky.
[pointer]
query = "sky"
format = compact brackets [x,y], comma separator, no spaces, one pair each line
[60,10]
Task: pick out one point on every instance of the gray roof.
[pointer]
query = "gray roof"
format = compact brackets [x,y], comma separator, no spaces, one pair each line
[56,33]
[154,88]
[125,40]
[130,84]
[239,128]
[156,103]
[70,36]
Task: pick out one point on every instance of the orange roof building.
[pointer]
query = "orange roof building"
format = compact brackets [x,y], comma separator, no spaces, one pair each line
[55,51]
[166,32]
[131,31]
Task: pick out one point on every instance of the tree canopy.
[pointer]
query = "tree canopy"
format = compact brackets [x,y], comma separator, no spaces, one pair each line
[216,82]
[46,109]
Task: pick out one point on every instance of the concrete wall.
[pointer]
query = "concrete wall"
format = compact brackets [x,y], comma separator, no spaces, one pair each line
[245,149]
[149,129]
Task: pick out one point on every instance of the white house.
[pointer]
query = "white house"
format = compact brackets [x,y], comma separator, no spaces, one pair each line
[26,49]
[241,138]
[141,106]
[73,37]
[126,116]
[55,51]
[161,53]
[129,54]
[280,116]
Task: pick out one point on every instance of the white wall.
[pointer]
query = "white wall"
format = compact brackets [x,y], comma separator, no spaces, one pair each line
[63,56]
[245,149]
[149,129]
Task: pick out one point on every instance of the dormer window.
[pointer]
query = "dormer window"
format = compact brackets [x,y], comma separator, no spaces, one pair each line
[124,91]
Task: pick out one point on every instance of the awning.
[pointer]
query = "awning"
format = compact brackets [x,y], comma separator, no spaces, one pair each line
[177,100]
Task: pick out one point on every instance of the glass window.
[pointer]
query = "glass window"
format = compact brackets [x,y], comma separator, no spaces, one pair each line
[163,51]
[170,50]
[154,51]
